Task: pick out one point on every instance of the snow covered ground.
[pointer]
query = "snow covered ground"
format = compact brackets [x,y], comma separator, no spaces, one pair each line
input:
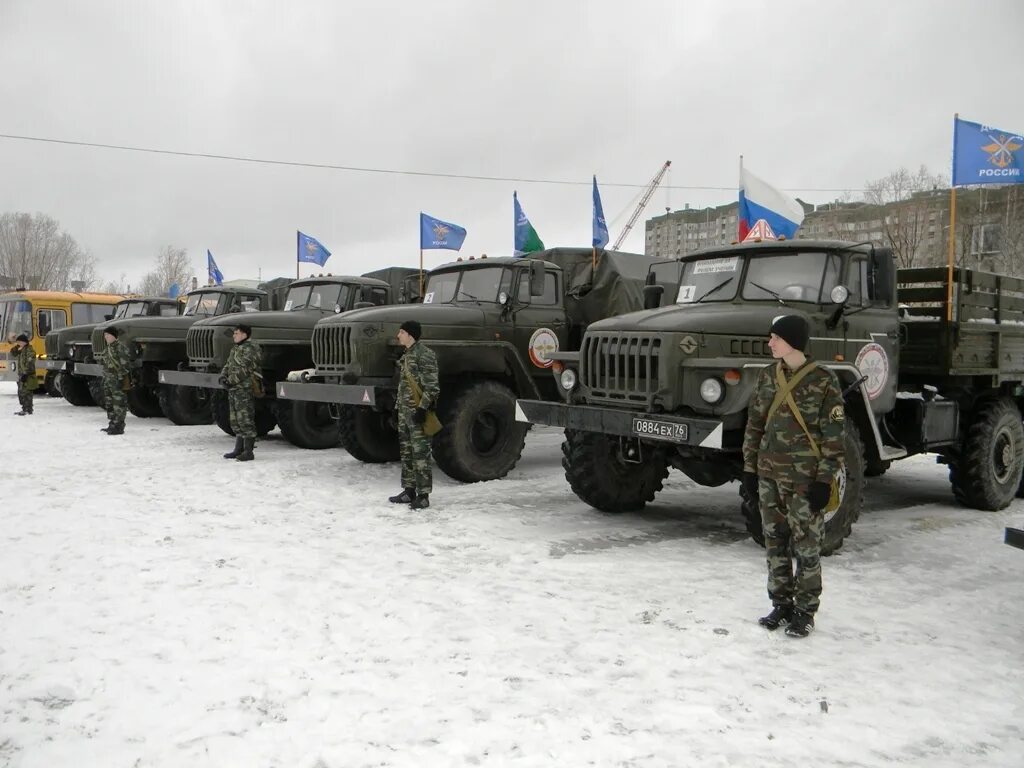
[160,606]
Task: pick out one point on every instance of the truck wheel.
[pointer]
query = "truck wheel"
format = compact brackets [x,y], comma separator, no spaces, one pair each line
[307,424]
[481,439]
[598,474]
[50,384]
[368,435]
[265,419]
[76,389]
[838,524]
[986,469]
[143,402]
[185,406]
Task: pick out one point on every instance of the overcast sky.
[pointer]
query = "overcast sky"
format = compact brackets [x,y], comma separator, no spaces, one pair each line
[815,95]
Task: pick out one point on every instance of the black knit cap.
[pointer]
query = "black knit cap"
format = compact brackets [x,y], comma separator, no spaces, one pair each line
[22,337]
[792,329]
[112,331]
[246,329]
[413,328]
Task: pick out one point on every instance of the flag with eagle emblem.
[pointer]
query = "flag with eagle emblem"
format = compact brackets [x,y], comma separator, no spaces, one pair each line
[440,235]
[986,155]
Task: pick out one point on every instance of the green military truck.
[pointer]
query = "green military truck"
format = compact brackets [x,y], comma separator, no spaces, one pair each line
[493,323]
[71,346]
[284,337]
[669,386]
[157,344]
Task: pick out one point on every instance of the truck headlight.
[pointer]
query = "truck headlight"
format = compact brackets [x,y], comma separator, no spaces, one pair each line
[567,379]
[711,390]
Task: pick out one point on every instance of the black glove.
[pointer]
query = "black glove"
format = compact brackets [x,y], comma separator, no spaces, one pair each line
[749,481]
[420,416]
[223,381]
[818,495]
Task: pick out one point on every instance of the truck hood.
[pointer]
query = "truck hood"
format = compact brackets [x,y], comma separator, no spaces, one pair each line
[75,333]
[298,319]
[429,315]
[146,329]
[748,319]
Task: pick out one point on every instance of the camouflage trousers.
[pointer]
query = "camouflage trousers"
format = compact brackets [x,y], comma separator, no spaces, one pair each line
[792,536]
[24,396]
[115,400]
[414,447]
[242,411]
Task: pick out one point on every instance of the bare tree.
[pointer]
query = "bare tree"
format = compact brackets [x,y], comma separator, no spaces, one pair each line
[905,219]
[116,286]
[36,253]
[172,266]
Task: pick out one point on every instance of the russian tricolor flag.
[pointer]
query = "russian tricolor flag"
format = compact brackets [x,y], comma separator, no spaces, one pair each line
[760,200]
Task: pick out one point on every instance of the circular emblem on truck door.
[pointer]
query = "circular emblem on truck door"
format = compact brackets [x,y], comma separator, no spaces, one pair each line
[542,343]
[873,363]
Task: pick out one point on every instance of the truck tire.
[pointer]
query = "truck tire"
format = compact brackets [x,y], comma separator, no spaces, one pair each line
[76,389]
[837,525]
[368,435]
[985,471]
[481,439]
[307,424]
[95,384]
[50,384]
[599,476]
[265,419]
[143,402]
[185,406]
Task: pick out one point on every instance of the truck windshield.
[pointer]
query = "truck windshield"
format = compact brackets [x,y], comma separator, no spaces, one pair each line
[329,297]
[130,309]
[709,280]
[807,276]
[203,304]
[465,285]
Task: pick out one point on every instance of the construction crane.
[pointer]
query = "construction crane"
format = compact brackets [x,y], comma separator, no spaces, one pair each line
[648,192]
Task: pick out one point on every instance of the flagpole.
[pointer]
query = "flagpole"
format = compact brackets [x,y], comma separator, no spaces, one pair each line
[296,254]
[952,230]
[737,200]
[421,273]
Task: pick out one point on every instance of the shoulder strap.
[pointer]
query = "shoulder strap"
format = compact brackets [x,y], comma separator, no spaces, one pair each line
[786,387]
[417,393]
[803,424]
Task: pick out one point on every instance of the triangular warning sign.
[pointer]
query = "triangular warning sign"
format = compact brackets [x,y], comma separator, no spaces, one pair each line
[760,231]
[366,395]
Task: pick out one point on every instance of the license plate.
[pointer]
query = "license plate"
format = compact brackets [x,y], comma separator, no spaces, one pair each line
[660,430]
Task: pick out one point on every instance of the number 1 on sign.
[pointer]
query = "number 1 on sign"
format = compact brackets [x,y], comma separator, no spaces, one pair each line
[686,293]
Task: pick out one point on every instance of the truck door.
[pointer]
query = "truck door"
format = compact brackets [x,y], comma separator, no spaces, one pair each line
[872,335]
[539,322]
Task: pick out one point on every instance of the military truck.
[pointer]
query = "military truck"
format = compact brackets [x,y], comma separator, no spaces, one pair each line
[72,345]
[493,323]
[669,386]
[284,337]
[158,344]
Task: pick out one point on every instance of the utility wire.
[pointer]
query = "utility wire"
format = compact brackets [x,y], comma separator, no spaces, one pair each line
[384,171]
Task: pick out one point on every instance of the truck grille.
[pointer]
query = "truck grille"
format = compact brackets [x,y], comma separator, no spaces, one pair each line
[749,347]
[332,347]
[52,345]
[621,366]
[199,344]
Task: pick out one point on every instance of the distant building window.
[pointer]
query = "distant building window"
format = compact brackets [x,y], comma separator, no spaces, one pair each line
[985,239]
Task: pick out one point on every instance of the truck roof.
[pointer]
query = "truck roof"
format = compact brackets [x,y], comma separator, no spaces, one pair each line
[226,289]
[346,279]
[775,246]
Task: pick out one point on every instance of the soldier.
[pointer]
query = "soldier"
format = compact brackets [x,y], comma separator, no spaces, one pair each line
[117,372]
[238,378]
[418,390]
[25,357]
[783,470]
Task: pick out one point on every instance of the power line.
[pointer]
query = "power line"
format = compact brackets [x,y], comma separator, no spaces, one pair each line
[383,171]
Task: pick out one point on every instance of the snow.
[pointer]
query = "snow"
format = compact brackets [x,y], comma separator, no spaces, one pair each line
[160,606]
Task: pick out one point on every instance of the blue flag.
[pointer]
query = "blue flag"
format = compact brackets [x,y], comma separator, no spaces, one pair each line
[440,235]
[986,155]
[212,270]
[525,238]
[311,250]
[600,225]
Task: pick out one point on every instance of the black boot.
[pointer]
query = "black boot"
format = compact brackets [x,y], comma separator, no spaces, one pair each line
[248,443]
[781,614]
[801,624]
[405,497]
[20,413]
[116,429]
[422,501]
[238,449]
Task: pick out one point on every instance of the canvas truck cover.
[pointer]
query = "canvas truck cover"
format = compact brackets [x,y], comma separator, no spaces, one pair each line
[396,277]
[614,288]
[276,290]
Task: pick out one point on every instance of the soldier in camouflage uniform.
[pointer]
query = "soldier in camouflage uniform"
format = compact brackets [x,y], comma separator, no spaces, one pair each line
[792,485]
[417,371]
[238,378]
[25,358]
[117,371]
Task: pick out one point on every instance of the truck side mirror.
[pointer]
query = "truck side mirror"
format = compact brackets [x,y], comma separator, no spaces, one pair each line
[536,278]
[883,276]
[652,296]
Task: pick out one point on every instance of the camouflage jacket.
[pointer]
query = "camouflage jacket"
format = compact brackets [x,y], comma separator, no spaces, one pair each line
[781,449]
[244,361]
[419,362]
[26,360]
[117,360]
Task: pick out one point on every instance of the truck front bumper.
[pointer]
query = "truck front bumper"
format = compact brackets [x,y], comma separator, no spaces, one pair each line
[1014,537]
[344,394]
[696,432]
[88,369]
[56,365]
[191,379]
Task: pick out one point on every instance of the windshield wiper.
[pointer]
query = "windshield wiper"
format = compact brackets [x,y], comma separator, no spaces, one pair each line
[769,290]
[712,290]
[469,296]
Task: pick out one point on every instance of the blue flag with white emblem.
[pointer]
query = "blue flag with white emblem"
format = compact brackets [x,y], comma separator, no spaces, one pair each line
[986,155]
[212,270]
[312,250]
[440,235]
[600,225]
